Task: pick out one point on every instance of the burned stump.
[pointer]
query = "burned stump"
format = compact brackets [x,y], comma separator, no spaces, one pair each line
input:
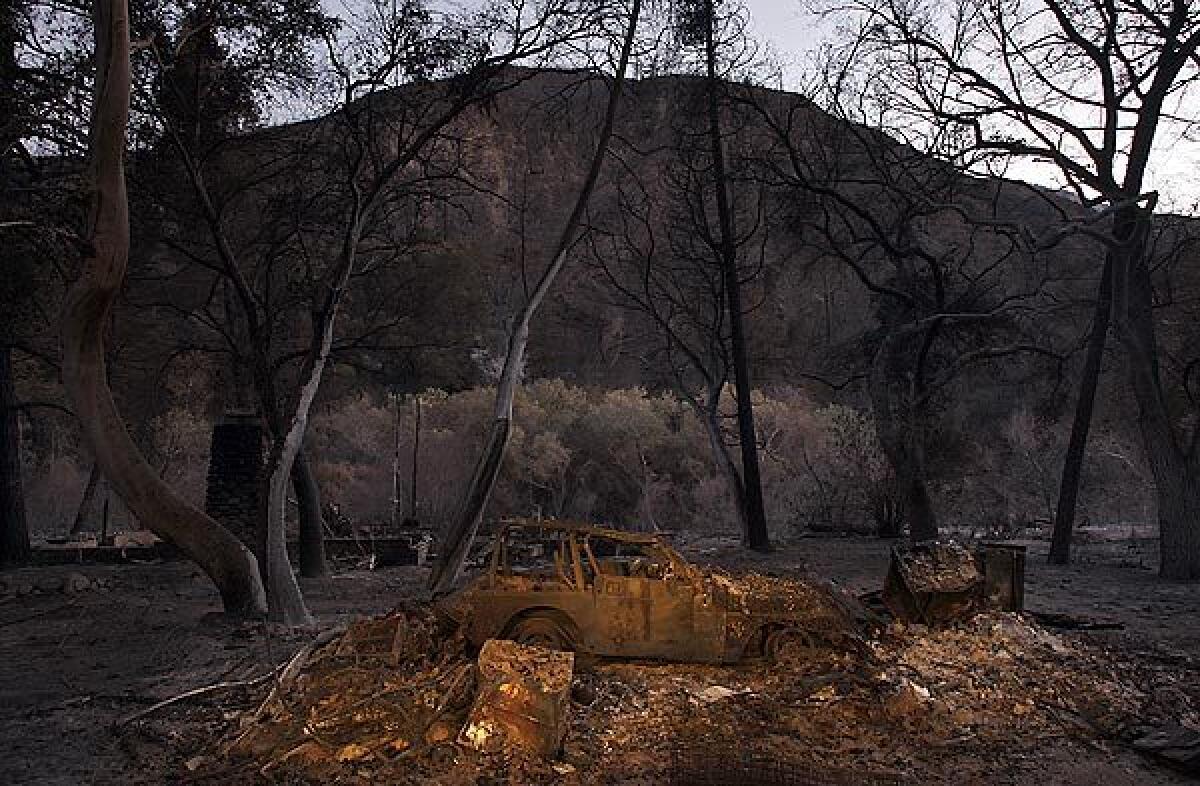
[523,699]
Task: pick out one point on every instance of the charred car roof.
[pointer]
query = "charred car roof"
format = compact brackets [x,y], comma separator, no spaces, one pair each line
[580,528]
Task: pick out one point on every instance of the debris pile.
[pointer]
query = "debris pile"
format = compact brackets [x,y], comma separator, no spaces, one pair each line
[522,701]
[370,698]
[930,706]
[944,566]
[399,700]
[932,582]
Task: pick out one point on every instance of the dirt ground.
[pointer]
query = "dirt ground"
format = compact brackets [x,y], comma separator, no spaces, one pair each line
[73,664]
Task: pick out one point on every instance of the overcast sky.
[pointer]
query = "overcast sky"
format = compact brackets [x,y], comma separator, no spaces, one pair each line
[793,33]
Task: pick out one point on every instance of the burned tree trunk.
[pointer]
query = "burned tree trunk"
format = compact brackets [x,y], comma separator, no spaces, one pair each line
[14,529]
[710,416]
[85,501]
[458,539]
[755,515]
[1173,464]
[227,562]
[312,528]
[1068,490]
[900,426]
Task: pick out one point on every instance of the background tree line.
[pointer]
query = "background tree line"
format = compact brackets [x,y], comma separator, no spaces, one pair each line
[493,162]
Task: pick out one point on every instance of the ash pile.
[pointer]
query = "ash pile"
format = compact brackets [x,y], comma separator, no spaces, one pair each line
[402,699]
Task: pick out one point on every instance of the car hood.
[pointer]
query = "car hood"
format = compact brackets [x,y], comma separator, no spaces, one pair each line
[803,600]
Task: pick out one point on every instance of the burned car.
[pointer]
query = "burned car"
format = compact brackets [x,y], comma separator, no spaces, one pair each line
[611,593]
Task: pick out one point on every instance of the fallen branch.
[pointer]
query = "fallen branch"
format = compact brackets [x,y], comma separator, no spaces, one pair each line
[218,686]
[281,674]
[293,666]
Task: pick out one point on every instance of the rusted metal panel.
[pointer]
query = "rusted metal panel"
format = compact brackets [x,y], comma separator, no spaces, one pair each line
[1003,567]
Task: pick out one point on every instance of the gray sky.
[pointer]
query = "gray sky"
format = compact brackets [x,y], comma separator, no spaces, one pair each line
[793,33]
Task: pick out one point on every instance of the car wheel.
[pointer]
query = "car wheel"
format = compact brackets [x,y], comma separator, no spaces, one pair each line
[789,644]
[542,631]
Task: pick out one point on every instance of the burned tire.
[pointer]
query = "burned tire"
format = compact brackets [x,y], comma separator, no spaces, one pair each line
[542,630]
[790,644]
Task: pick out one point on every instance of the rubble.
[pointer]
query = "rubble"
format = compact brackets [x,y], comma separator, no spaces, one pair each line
[367,699]
[913,706]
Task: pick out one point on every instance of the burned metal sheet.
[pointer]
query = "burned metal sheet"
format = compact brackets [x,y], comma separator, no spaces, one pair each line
[932,583]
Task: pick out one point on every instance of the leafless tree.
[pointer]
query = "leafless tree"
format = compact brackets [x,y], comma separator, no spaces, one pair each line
[660,256]
[1088,87]
[457,540]
[953,281]
[713,28]
[227,562]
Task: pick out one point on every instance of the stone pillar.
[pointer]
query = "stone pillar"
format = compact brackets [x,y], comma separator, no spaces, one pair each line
[235,466]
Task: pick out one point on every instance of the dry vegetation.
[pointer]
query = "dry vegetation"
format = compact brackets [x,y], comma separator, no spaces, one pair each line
[629,456]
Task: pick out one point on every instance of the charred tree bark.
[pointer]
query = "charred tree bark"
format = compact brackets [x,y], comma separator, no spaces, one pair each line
[466,523]
[900,425]
[14,528]
[312,528]
[227,562]
[756,535]
[458,539]
[85,502]
[1173,464]
[1068,490]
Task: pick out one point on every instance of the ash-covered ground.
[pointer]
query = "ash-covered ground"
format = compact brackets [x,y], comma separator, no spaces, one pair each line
[999,699]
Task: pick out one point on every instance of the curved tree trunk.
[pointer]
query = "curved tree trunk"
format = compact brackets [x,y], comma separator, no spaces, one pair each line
[312,528]
[284,599]
[1068,489]
[457,541]
[14,528]
[106,241]
[464,526]
[283,591]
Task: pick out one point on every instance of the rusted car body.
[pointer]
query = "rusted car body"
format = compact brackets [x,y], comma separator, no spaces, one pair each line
[612,593]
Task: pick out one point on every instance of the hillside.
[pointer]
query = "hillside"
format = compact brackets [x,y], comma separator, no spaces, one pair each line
[447,268]
[518,159]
